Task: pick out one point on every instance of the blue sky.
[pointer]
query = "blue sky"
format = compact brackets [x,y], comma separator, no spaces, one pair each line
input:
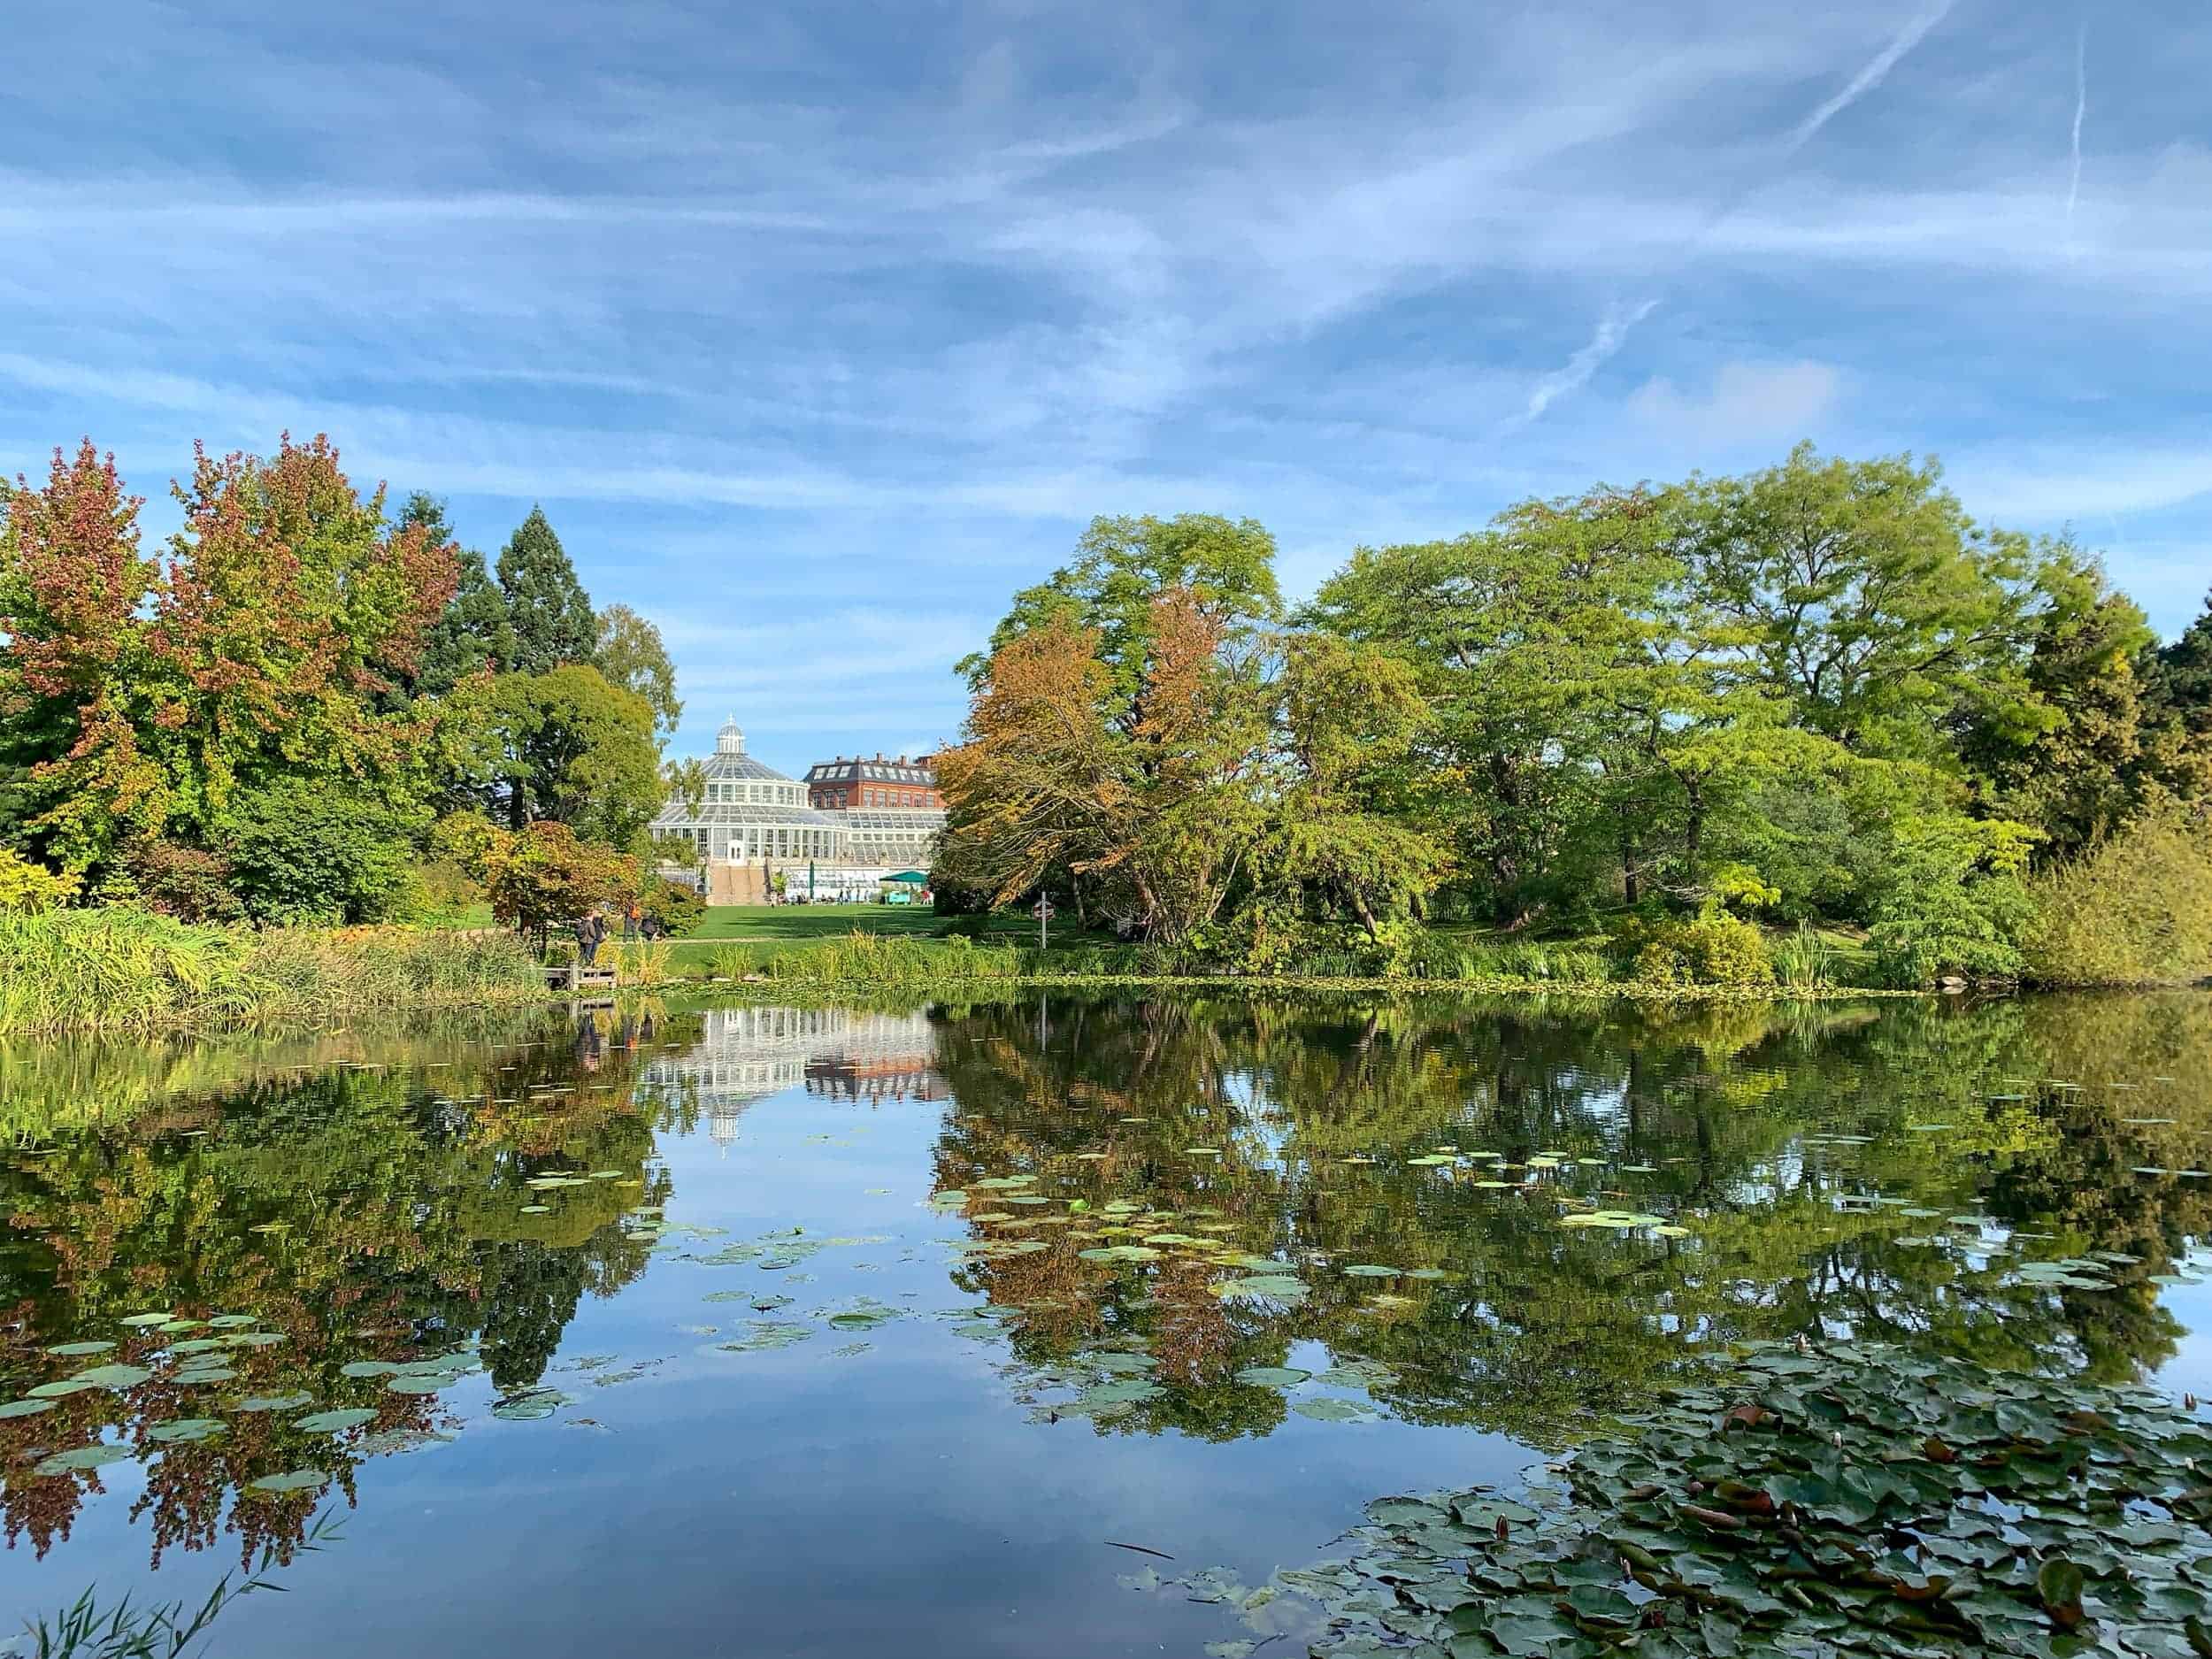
[819,329]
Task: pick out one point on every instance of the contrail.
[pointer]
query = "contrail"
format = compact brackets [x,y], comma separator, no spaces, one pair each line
[2081,108]
[1612,330]
[1868,78]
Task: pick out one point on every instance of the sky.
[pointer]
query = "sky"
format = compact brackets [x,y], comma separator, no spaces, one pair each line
[817,329]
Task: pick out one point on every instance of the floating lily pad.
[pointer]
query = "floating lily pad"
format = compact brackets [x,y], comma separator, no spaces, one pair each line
[1268,1286]
[1367,1270]
[231,1322]
[367,1367]
[1272,1375]
[291,1402]
[25,1408]
[334,1422]
[113,1376]
[1329,1408]
[74,1350]
[188,1430]
[81,1457]
[294,1480]
[143,1319]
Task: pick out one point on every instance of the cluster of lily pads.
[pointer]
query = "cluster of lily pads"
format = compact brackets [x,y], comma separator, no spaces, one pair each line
[202,1360]
[1808,1502]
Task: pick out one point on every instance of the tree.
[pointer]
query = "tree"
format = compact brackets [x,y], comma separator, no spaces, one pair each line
[575,749]
[1350,717]
[545,873]
[631,656]
[1528,641]
[1141,803]
[2068,758]
[1872,606]
[547,607]
[73,589]
[269,643]
[473,634]
[1226,570]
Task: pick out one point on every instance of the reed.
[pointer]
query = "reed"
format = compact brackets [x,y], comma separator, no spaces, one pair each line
[121,969]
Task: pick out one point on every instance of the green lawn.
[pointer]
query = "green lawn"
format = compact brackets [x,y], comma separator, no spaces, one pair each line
[788,925]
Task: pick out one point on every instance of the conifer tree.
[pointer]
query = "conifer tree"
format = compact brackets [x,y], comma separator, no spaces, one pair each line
[547,606]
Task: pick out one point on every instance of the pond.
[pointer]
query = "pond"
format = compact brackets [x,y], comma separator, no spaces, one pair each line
[934,1329]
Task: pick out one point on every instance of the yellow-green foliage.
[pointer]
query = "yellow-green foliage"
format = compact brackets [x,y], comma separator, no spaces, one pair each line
[118,968]
[29,887]
[1712,947]
[2135,910]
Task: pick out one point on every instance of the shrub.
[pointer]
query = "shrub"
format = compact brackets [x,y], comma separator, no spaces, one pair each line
[2136,910]
[1954,902]
[301,851]
[677,905]
[1804,961]
[27,887]
[1711,948]
[186,882]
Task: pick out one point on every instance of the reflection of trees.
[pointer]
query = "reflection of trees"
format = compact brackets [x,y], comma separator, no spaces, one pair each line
[364,1211]
[1727,1111]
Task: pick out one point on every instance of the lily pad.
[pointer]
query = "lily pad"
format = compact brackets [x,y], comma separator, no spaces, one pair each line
[291,1402]
[82,1457]
[188,1430]
[334,1422]
[1329,1408]
[74,1350]
[1272,1375]
[25,1408]
[293,1480]
[113,1376]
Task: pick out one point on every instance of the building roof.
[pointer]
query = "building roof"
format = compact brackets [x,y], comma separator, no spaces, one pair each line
[730,761]
[858,770]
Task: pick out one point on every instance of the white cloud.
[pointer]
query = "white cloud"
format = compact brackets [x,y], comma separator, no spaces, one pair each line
[1870,77]
[1771,404]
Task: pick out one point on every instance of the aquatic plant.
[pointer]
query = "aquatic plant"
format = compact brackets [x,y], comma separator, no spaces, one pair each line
[1812,1499]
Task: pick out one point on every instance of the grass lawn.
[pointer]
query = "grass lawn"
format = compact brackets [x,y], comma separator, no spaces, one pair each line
[786,925]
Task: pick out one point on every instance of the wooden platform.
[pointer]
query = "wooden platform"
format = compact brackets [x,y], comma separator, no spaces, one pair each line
[575,977]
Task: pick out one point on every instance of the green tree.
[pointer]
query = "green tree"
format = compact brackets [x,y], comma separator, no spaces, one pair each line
[575,749]
[2068,758]
[547,607]
[1527,640]
[545,874]
[473,634]
[1873,606]
[631,656]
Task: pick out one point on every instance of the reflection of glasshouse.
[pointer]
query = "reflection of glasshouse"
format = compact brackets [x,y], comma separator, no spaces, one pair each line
[750,811]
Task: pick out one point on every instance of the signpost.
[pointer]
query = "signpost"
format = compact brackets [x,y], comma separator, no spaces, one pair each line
[1043,910]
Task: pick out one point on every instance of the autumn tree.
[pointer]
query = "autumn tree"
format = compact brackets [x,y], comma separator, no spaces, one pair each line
[266,644]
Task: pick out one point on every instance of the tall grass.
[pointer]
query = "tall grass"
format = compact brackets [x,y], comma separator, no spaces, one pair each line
[119,969]
[2136,910]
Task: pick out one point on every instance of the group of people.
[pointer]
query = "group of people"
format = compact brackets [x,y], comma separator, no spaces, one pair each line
[591,931]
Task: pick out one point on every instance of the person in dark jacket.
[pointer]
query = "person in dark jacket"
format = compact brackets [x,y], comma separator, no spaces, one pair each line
[591,928]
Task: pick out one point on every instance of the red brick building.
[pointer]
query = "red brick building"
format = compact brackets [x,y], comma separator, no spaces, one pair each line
[842,785]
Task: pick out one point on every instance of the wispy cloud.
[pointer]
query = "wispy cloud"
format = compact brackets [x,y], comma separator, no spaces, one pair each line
[1868,78]
[1612,333]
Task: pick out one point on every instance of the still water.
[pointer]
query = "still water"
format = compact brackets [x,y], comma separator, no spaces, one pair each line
[762,1331]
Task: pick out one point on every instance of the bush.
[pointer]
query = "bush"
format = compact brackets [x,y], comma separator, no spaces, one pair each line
[1711,948]
[27,887]
[1804,961]
[676,903]
[316,852]
[2134,910]
[185,882]
[1953,903]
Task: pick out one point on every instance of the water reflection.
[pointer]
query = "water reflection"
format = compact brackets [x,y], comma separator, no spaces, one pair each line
[1893,1173]
[1392,1177]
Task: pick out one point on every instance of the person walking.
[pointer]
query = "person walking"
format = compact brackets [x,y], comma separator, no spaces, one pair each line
[591,927]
